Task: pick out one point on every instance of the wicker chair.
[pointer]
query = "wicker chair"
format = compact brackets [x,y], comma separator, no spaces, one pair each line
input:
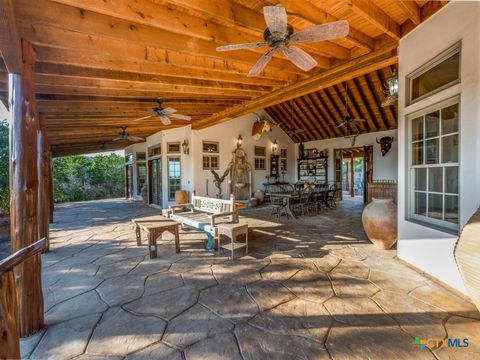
[330,199]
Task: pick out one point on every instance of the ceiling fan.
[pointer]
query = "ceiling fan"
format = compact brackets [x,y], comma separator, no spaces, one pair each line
[279,35]
[165,113]
[347,119]
[125,136]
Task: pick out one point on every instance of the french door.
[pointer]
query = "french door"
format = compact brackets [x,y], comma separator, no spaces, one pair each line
[155,177]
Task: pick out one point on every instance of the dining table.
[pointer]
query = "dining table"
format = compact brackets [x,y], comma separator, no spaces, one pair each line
[288,199]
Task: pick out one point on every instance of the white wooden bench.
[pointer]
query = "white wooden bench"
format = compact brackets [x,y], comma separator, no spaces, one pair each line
[205,213]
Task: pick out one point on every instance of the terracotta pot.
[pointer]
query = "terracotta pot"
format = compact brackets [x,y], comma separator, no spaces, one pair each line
[379,220]
[260,196]
[467,255]
[181,197]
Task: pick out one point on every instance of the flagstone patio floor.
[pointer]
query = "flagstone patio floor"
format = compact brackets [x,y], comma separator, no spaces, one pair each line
[312,288]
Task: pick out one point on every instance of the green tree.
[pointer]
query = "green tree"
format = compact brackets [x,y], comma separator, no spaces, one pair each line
[79,178]
[4,180]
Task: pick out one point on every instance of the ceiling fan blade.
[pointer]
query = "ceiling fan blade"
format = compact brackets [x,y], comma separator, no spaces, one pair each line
[330,31]
[135,138]
[358,120]
[296,131]
[165,120]
[241,46]
[275,18]
[168,111]
[341,124]
[181,117]
[143,118]
[300,58]
[118,138]
[261,63]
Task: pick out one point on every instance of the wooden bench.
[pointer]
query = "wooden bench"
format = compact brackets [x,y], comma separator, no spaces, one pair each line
[154,226]
[204,214]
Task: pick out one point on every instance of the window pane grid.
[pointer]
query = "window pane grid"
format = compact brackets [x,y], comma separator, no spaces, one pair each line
[434,166]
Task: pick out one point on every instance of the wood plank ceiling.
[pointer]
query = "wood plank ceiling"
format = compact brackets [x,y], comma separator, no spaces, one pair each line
[100,63]
[319,113]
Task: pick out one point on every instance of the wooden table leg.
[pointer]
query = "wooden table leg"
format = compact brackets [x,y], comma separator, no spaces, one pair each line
[177,239]
[152,244]
[138,233]
[246,243]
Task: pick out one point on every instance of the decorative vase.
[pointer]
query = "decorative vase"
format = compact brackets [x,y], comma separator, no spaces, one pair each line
[379,221]
[467,255]
[181,197]
[260,196]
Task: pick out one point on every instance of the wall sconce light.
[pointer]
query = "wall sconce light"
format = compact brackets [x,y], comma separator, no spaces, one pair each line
[274,146]
[239,141]
[185,148]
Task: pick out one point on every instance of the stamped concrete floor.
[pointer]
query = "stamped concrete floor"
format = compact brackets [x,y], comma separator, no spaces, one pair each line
[313,288]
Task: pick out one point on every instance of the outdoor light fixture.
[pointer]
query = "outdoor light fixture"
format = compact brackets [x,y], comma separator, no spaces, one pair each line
[185,148]
[274,146]
[239,141]
[392,90]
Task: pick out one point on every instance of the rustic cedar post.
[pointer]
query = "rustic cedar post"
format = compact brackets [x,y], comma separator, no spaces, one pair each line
[24,192]
[50,184]
[43,186]
[10,341]
[352,175]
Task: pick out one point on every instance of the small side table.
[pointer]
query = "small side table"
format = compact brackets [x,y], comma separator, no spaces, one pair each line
[154,226]
[167,212]
[232,231]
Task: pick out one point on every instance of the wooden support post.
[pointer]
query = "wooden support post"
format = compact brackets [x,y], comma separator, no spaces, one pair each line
[352,175]
[43,157]
[50,184]
[24,192]
[10,336]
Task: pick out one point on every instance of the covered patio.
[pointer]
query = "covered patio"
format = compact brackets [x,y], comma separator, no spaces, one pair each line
[319,131]
[309,289]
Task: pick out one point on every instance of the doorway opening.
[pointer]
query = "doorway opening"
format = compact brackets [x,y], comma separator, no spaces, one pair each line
[353,172]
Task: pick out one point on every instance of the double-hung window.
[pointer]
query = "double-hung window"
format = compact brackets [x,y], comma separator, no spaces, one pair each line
[434,165]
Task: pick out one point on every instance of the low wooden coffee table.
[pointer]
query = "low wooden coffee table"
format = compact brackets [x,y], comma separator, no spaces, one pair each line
[154,226]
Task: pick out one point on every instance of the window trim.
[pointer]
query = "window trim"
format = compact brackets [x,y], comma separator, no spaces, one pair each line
[215,143]
[168,175]
[436,60]
[436,224]
[210,156]
[264,163]
[150,148]
[176,143]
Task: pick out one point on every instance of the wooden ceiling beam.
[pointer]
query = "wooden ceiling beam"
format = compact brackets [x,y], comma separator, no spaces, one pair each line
[193,29]
[362,65]
[342,95]
[67,90]
[10,43]
[98,60]
[364,102]
[284,123]
[305,114]
[335,110]
[93,73]
[410,9]
[305,123]
[318,100]
[319,117]
[376,101]
[72,82]
[171,48]
[353,99]
[291,121]
[368,10]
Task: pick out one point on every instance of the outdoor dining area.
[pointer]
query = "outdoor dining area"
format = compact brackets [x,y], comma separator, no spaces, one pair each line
[302,199]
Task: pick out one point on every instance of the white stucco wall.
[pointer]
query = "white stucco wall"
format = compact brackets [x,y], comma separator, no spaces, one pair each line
[226,134]
[426,248]
[384,167]
[193,175]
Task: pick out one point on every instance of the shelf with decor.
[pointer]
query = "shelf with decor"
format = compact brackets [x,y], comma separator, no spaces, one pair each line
[313,170]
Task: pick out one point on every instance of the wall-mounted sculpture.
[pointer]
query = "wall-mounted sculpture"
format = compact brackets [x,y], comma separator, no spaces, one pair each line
[385,144]
[218,180]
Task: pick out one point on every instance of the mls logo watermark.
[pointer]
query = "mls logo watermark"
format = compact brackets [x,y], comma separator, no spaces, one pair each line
[435,343]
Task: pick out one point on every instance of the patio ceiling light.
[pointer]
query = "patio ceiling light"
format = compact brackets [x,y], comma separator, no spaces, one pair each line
[392,90]
[185,148]
[274,146]
[239,141]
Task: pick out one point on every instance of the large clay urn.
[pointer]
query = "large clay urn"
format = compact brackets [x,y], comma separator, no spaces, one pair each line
[379,220]
[467,255]
[181,197]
